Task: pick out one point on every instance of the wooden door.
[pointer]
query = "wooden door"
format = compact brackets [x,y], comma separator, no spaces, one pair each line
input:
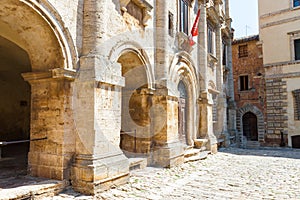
[182,120]
[250,126]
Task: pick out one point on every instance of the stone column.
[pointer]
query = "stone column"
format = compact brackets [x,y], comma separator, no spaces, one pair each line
[167,151]
[221,127]
[161,42]
[231,102]
[202,47]
[51,122]
[206,102]
[99,162]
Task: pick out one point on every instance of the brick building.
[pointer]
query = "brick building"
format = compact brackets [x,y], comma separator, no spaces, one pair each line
[249,90]
[280,37]
[95,82]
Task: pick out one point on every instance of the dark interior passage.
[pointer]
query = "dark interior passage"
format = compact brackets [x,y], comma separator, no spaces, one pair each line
[14,105]
[250,126]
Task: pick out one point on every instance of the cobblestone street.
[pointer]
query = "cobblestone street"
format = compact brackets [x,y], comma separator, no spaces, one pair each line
[230,174]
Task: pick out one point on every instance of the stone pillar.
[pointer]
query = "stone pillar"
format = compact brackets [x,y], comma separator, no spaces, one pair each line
[161,42]
[99,162]
[167,150]
[221,127]
[202,47]
[206,121]
[205,103]
[231,102]
[52,123]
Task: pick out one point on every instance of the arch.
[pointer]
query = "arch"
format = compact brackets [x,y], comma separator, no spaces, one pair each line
[130,46]
[182,70]
[136,104]
[39,30]
[183,66]
[260,122]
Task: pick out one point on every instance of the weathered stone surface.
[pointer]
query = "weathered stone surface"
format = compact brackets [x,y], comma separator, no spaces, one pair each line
[238,174]
[99,69]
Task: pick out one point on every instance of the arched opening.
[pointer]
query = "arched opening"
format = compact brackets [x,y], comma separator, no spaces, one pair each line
[182,112]
[250,126]
[39,55]
[136,103]
[14,107]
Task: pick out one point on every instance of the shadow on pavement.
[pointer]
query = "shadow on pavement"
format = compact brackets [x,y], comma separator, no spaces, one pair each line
[264,152]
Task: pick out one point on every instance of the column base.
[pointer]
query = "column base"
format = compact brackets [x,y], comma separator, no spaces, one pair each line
[212,144]
[49,165]
[170,155]
[92,175]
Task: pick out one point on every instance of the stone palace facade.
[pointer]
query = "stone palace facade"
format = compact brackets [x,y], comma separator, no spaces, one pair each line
[93,82]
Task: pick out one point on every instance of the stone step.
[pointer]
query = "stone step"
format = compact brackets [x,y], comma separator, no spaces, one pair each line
[137,163]
[27,187]
[200,156]
[191,152]
[200,143]
[252,144]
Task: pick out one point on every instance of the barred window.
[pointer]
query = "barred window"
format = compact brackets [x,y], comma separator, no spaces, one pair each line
[210,39]
[296,94]
[184,16]
[171,31]
[244,83]
[297,49]
[243,51]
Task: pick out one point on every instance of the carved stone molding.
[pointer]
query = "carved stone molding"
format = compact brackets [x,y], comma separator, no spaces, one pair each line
[57,73]
[183,42]
[143,5]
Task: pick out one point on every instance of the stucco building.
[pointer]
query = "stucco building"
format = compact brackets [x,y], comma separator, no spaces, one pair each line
[92,83]
[249,90]
[280,37]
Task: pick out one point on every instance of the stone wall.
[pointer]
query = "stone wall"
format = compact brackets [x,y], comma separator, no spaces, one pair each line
[85,88]
[276,110]
[253,98]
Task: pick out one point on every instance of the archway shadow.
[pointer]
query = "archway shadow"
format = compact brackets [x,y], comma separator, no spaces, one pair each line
[276,152]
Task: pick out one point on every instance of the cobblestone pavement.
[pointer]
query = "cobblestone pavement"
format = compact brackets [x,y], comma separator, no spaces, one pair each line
[230,174]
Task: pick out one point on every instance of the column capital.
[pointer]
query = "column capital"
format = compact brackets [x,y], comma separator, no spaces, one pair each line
[57,73]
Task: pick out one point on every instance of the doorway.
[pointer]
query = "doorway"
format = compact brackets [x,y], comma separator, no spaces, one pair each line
[14,108]
[250,126]
[182,113]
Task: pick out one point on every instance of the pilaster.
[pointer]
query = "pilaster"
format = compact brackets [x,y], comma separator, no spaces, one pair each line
[168,151]
[206,121]
[51,122]
[99,162]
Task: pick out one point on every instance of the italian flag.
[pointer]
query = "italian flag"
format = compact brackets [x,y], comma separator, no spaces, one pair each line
[194,31]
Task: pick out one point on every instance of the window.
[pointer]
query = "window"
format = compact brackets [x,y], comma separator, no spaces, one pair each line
[244,83]
[296,94]
[210,39]
[297,49]
[184,16]
[243,51]
[171,24]
[224,56]
[296,3]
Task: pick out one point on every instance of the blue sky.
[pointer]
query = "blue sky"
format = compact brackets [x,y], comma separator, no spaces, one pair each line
[244,14]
